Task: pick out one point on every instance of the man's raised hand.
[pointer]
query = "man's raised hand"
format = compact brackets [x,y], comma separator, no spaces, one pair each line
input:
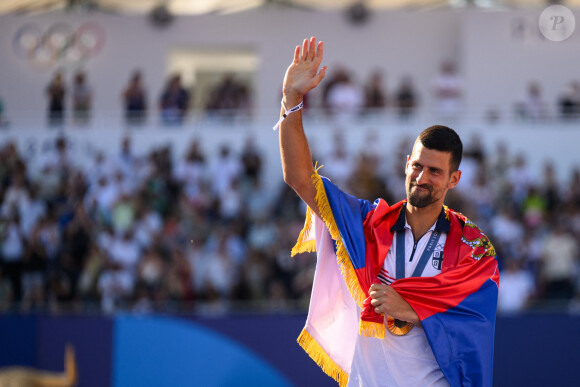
[303,74]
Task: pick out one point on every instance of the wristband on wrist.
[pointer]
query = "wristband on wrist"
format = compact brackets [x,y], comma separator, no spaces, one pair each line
[287,112]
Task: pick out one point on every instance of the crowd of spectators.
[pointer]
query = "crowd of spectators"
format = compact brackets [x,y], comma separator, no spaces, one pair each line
[145,231]
[158,231]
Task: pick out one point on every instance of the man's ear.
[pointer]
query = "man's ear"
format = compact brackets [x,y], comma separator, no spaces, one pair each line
[454,179]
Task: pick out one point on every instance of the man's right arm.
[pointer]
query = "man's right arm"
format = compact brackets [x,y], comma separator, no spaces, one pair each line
[302,75]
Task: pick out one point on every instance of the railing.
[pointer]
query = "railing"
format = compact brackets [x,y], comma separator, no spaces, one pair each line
[154,119]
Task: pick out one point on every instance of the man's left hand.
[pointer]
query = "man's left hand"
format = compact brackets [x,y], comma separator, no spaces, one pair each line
[386,300]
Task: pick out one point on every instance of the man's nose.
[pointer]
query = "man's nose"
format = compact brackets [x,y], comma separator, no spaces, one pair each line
[421,178]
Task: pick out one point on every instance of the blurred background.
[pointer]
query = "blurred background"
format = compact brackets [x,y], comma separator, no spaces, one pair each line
[145,228]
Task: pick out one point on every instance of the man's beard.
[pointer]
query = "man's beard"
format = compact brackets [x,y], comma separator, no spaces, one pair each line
[420,199]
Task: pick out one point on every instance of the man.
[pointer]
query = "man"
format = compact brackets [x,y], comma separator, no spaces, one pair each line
[421,271]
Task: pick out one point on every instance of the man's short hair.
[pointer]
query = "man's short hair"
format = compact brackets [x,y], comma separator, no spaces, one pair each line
[444,139]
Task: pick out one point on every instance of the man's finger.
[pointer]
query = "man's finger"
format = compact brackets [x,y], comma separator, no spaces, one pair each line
[319,53]
[304,49]
[297,54]
[312,48]
[376,302]
[320,76]
[378,287]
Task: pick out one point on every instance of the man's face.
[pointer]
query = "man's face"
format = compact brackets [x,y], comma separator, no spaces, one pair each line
[428,176]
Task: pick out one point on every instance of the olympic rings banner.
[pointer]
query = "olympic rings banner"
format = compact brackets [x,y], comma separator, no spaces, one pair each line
[59,44]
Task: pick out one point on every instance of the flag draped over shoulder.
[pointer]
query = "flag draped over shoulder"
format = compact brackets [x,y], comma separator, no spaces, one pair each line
[456,308]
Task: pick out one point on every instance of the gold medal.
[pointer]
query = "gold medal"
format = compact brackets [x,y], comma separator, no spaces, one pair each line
[398,327]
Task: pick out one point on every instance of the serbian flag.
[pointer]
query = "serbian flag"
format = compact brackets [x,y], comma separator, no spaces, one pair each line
[457,308]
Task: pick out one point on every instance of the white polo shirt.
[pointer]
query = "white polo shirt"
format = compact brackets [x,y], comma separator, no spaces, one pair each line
[405,361]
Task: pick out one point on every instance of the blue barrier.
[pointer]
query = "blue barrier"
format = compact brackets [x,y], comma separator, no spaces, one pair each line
[127,350]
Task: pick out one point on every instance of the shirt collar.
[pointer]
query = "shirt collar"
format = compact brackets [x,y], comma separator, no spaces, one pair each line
[442,224]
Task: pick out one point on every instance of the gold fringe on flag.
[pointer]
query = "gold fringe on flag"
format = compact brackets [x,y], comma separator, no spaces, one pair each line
[344,262]
[303,246]
[315,351]
[371,329]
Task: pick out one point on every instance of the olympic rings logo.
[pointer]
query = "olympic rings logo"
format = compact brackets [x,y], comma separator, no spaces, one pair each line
[60,43]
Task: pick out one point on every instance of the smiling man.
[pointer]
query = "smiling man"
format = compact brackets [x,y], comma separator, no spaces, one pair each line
[415,269]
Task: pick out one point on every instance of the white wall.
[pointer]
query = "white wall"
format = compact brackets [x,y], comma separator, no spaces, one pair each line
[499,63]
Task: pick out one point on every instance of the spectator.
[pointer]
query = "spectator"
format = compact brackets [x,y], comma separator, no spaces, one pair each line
[6,292]
[471,166]
[231,201]
[569,103]
[14,195]
[56,92]
[82,96]
[508,230]
[558,263]
[101,167]
[150,272]
[58,160]
[255,276]
[229,97]
[533,108]
[340,161]
[135,100]
[91,271]
[31,209]
[372,150]
[147,225]
[177,281]
[12,249]
[102,197]
[227,169]
[174,102]
[257,200]
[406,98]
[571,194]
[364,181]
[448,91]
[376,97]
[517,288]
[49,234]
[191,171]
[332,80]
[345,99]
[119,275]
[534,208]
[129,163]
[34,273]
[550,189]
[219,270]
[3,121]
[521,178]
[251,159]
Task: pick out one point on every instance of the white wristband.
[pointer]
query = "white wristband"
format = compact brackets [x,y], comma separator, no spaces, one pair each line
[286,112]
